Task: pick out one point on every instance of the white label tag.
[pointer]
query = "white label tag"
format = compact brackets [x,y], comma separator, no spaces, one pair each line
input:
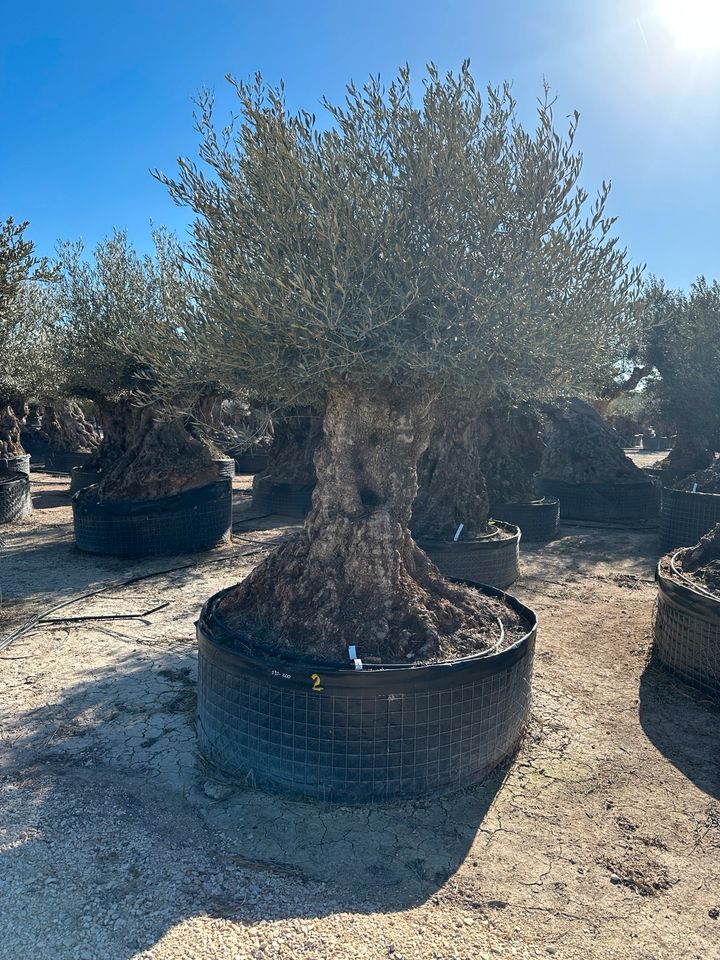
[458,532]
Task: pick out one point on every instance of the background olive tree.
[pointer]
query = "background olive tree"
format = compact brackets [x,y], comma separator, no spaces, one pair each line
[685,349]
[409,250]
[107,308]
[23,344]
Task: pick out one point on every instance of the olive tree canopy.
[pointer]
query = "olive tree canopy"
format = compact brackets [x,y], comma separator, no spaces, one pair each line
[404,243]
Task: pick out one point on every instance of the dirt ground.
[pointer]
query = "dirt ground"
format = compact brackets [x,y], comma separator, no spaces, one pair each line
[601,839]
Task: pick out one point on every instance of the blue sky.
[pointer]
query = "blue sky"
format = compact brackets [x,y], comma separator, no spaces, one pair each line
[94,95]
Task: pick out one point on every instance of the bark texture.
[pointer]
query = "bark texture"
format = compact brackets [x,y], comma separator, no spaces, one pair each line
[164,459]
[451,486]
[120,425]
[292,454]
[68,429]
[354,576]
[511,449]
[582,448]
[10,429]
[702,481]
[689,455]
[703,560]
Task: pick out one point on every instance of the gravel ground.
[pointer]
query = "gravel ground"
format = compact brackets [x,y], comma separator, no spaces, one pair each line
[600,839]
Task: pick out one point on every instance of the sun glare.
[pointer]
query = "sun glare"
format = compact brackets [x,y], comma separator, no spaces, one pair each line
[695,24]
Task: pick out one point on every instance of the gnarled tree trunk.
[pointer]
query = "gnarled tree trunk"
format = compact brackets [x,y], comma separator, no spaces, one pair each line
[451,486]
[10,428]
[582,448]
[353,575]
[120,421]
[687,456]
[164,459]
[296,436]
[511,449]
[68,429]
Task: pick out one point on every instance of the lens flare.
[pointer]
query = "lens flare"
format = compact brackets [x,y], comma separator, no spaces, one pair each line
[694,24]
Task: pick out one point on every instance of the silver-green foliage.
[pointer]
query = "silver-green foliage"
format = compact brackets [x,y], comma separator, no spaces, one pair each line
[408,242]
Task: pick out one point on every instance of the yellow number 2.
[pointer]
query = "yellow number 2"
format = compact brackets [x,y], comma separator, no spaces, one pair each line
[316,682]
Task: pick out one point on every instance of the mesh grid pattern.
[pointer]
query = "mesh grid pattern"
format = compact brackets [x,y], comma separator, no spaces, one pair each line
[365,748]
[251,462]
[15,464]
[15,501]
[496,563]
[225,467]
[538,522]
[686,517]
[81,478]
[688,644]
[60,461]
[284,499]
[191,526]
[598,501]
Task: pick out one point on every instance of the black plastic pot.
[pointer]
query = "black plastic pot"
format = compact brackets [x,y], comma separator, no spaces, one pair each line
[195,520]
[326,731]
[285,499]
[637,500]
[655,443]
[251,462]
[538,520]
[61,461]
[686,517]
[493,561]
[15,464]
[15,502]
[80,478]
[686,632]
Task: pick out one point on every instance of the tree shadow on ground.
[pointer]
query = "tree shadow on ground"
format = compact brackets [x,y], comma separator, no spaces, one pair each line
[145,835]
[587,551]
[683,726]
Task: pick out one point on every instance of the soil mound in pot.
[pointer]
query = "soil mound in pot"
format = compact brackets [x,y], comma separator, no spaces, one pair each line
[703,481]
[701,563]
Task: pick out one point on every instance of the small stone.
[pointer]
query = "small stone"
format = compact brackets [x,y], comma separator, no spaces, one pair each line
[216,790]
[714,913]
[614,878]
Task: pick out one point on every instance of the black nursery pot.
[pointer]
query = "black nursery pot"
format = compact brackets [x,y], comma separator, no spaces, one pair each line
[15,464]
[284,499]
[538,520]
[81,478]
[251,462]
[328,732]
[630,502]
[495,562]
[686,633]
[686,517]
[15,502]
[184,522]
[61,461]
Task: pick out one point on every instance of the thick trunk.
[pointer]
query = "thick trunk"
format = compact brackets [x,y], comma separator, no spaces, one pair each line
[120,424]
[292,454]
[687,456]
[451,486]
[353,575]
[615,390]
[164,459]
[582,448]
[511,449]
[10,428]
[68,429]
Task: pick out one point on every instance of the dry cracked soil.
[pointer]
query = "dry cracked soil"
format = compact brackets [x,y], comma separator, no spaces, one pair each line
[599,839]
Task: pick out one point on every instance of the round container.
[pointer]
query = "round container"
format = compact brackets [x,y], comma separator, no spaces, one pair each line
[634,501]
[284,499]
[329,732]
[686,632]
[686,517]
[15,464]
[538,520]
[194,520]
[490,560]
[251,462]
[15,502]
[62,461]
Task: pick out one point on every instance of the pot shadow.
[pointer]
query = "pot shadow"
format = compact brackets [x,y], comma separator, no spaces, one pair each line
[109,774]
[682,725]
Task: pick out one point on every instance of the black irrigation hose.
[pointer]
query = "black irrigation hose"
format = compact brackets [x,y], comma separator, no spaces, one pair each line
[113,585]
